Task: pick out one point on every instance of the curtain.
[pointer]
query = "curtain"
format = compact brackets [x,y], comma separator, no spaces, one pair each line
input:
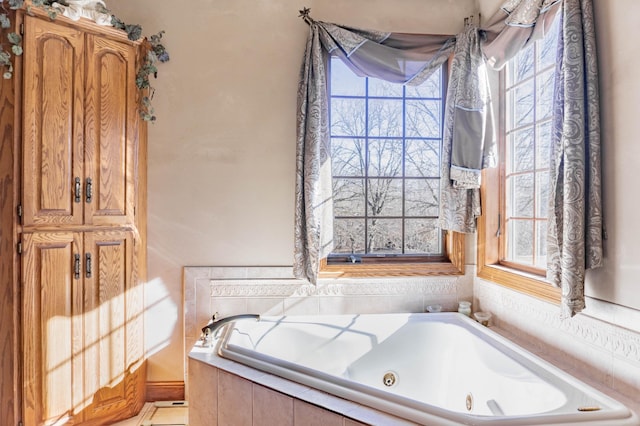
[468,143]
[575,217]
[516,25]
[314,209]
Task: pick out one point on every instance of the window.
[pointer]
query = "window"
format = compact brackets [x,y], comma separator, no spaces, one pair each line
[529,81]
[519,212]
[385,147]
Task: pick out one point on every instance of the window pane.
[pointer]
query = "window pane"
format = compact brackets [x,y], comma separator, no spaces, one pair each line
[431,88]
[424,118]
[348,236]
[344,82]
[544,100]
[541,244]
[384,88]
[548,46]
[422,236]
[521,195]
[384,197]
[521,151]
[523,104]
[542,194]
[385,117]
[347,117]
[421,197]
[543,145]
[385,236]
[422,158]
[348,197]
[521,241]
[347,157]
[385,157]
[522,65]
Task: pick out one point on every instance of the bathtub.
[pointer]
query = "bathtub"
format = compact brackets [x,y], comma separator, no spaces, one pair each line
[432,369]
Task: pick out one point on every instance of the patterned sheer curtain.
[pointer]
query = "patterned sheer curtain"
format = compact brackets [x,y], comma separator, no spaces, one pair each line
[575,217]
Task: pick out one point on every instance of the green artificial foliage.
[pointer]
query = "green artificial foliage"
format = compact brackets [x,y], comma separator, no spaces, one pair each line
[157,51]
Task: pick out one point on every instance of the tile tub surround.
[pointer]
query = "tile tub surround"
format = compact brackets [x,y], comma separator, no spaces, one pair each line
[274,291]
[590,347]
[600,346]
[229,393]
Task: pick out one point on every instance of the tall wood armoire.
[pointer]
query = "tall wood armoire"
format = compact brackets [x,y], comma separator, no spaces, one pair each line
[73,215]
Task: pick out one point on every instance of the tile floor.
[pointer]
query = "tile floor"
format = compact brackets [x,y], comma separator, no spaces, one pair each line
[160,414]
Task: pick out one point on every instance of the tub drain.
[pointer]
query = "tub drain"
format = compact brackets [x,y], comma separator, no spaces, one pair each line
[389,379]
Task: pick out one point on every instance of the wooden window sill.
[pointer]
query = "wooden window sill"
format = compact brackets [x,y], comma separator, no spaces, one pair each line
[529,284]
[454,246]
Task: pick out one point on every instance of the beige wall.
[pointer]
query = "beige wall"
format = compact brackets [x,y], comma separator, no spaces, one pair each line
[221,156]
[222,153]
[619,60]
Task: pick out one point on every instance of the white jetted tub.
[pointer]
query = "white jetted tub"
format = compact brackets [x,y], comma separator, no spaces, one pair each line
[433,369]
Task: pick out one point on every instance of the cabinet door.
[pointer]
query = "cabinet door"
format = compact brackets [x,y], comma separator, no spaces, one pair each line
[113,330]
[52,328]
[53,108]
[83,328]
[111,128]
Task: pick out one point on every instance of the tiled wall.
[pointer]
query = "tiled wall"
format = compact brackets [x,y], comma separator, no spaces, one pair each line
[600,345]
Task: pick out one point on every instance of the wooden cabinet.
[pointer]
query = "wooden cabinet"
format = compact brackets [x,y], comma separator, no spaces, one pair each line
[73,268]
[79,113]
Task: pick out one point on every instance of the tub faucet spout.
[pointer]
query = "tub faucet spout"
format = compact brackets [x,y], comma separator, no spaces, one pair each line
[215,323]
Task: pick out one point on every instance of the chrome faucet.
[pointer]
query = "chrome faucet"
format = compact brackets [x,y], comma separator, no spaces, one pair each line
[215,323]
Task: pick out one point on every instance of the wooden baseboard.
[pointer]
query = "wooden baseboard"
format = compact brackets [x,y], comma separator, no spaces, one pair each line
[165,391]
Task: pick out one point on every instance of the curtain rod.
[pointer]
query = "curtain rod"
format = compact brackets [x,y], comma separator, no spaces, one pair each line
[304,14]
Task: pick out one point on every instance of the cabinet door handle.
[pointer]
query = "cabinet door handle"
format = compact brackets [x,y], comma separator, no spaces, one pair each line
[87,263]
[77,198]
[89,190]
[76,267]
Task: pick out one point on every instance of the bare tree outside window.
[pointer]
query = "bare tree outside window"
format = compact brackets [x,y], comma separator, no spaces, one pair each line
[529,84]
[385,147]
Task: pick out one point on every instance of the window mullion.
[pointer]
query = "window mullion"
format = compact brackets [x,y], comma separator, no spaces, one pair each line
[367,247]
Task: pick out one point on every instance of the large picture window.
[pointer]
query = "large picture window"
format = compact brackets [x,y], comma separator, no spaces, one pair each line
[385,148]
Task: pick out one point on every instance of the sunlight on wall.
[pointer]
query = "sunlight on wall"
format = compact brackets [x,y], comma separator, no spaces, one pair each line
[161,316]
